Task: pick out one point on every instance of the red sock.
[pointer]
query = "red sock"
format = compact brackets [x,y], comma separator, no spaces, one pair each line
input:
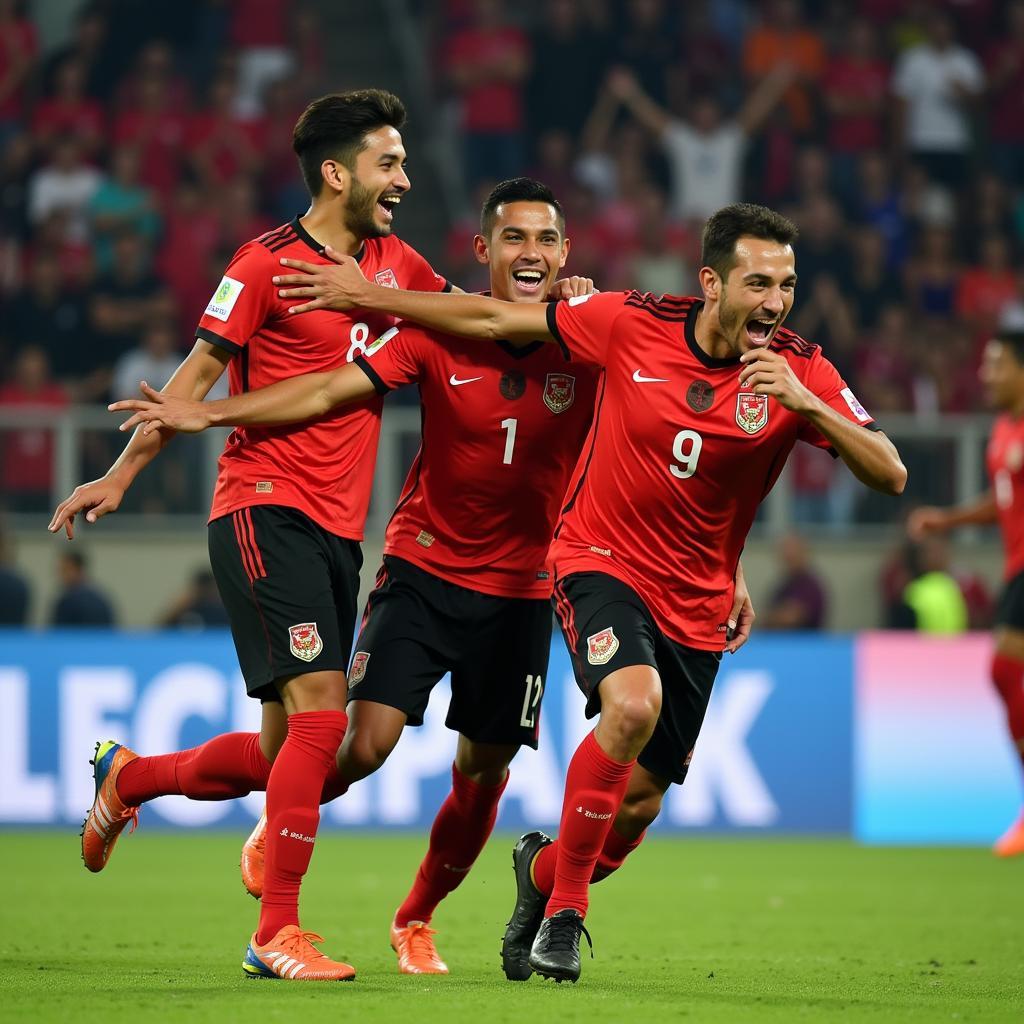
[293,798]
[594,787]
[1008,675]
[457,836]
[223,768]
[615,850]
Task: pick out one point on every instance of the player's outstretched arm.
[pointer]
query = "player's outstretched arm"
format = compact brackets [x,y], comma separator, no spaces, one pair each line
[198,372]
[981,511]
[870,455]
[287,401]
[342,286]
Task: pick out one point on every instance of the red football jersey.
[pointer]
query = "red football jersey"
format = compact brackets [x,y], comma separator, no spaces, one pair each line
[678,458]
[502,429]
[1005,458]
[324,468]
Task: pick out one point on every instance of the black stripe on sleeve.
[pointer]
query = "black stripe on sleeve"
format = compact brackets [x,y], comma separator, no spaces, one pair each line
[447,286]
[555,332]
[215,339]
[867,426]
[375,379]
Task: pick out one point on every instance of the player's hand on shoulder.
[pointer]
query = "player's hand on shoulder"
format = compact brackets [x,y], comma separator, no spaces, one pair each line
[157,410]
[324,286]
[925,520]
[95,499]
[768,373]
[570,287]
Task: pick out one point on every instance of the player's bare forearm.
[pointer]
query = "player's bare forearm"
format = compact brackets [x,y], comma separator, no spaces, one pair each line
[193,379]
[981,511]
[870,455]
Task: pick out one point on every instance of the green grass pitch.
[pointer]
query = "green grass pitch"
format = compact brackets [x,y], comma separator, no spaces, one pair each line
[691,930]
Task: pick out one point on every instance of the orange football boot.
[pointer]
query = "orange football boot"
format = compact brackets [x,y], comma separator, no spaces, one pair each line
[253,853]
[415,947]
[1011,842]
[291,955]
[108,815]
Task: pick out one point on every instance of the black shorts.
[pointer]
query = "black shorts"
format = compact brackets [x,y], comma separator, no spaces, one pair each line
[1010,606]
[418,626]
[290,588]
[607,626]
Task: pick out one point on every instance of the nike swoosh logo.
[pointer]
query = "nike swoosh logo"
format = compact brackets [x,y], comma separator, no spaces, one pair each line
[455,382]
[639,378]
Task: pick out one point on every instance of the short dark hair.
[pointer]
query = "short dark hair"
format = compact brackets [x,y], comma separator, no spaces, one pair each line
[727,225]
[334,127]
[518,190]
[1014,341]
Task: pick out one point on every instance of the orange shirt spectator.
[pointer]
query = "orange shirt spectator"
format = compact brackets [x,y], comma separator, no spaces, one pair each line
[783,40]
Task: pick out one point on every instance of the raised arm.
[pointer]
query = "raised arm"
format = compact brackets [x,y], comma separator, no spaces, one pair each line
[287,401]
[342,286]
[198,372]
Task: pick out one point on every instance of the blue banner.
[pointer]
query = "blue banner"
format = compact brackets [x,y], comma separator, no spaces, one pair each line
[775,753]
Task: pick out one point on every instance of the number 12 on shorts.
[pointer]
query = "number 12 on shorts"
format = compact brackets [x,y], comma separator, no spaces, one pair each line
[531,701]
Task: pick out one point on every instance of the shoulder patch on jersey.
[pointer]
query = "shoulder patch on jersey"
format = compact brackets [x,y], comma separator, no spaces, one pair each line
[376,346]
[856,408]
[578,300]
[224,298]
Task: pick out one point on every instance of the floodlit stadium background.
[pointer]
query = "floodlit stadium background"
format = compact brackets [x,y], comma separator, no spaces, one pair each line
[137,153]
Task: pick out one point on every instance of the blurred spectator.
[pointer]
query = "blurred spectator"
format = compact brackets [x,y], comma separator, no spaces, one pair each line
[1005,68]
[222,146]
[873,287]
[798,600]
[64,185]
[985,290]
[931,275]
[660,260]
[782,40]
[69,112]
[568,59]
[281,178]
[126,300]
[931,601]
[878,204]
[85,46]
[487,63]
[28,451]
[185,256]
[884,362]
[823,248]
[122,204]
[18,47]
[855,92]
[198,607]
[706,154]
[15,595]
[644,43]
[156,124]
[259,29]
[935,83]
[154,361]
[51,313]
[79,602]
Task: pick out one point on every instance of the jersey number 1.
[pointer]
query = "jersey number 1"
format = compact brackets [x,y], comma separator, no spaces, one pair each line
[509,426]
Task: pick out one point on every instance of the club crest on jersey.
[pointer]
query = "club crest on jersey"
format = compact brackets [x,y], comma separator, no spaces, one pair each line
[602,646]
[358,670]
[559,391]
[751,411]
[304,641]
[512,385]
[386,278]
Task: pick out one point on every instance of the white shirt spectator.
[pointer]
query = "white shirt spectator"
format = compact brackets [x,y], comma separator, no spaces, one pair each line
[68,191]
[926,79]
[705,167]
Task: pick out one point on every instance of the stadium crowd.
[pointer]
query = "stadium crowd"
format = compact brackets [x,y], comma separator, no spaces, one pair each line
[138,155]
